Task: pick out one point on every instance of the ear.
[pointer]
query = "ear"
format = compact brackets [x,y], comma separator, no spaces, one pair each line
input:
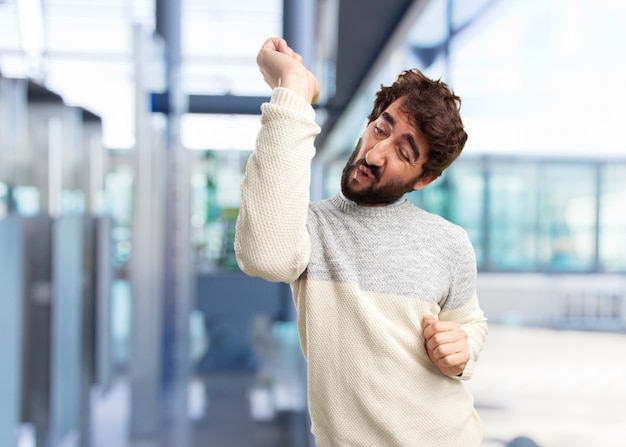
[423,181]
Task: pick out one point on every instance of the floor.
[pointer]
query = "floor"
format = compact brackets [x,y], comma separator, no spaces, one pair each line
[556,388]
[228,422]
[225,420]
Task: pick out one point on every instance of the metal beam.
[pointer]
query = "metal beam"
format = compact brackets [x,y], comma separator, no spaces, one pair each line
[209,104]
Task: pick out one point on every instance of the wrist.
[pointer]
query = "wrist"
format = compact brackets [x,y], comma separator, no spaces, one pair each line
[304,84]
[291,100]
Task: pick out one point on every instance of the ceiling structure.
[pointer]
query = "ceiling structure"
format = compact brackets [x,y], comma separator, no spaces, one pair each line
[83,50]
[87,58]
[364,28]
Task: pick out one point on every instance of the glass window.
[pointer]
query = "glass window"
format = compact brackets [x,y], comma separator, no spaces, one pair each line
[512,216]
[612,237]
[529,215]
[119,197]
[567,216]
[467,190]
[220,41]
[215,198]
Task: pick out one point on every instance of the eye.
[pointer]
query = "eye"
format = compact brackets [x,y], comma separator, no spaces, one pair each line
[380,129]
[404,155]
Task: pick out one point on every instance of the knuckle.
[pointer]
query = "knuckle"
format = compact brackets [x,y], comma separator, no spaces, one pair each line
[438,338]
[444,351]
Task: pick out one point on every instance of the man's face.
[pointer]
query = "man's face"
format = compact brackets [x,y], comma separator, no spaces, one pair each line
[387,161]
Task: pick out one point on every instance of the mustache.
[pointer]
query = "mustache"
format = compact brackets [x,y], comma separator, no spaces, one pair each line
[375,170]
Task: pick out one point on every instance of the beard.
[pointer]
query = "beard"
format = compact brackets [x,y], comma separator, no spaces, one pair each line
[375,193]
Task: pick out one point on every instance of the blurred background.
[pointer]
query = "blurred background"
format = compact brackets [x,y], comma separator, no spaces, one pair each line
[124,130]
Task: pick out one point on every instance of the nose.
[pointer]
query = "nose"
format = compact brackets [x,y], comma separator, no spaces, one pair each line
[376,155]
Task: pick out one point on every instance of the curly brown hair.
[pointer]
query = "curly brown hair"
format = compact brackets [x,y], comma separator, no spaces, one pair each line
[434,109]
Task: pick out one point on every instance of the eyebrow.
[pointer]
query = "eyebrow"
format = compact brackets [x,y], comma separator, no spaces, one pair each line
[408,137]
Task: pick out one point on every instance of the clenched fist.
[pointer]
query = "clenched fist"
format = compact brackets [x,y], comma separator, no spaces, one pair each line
[283,67]
[447,345]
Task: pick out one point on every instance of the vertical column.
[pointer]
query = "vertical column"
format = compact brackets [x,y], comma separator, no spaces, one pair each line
[37,344]
[12,280]
[299,30]
[597,186]
[13,127]
[299,27]
[145,353]
[177,267]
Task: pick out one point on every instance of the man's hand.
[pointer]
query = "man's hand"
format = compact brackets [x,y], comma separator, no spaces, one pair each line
[447,345]
[283,67]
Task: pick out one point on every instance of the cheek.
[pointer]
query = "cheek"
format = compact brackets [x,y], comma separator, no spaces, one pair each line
[363,148]
[401,173]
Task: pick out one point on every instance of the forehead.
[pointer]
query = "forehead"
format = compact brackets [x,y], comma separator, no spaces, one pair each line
[396,114]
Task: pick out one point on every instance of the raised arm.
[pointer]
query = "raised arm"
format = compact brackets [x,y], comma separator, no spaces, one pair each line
[271,239]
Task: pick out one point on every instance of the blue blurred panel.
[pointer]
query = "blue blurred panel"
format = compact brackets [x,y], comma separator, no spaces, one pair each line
[230,302]
[66,347]
[11,295]
[105,361]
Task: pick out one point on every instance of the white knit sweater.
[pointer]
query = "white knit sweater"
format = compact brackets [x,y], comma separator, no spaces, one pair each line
[363,278]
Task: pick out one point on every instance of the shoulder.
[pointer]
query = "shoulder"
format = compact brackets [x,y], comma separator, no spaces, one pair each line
[438,230]
[436,221]
[322,211]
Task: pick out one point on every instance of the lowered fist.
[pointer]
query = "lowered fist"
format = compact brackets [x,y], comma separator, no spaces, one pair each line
[447,345]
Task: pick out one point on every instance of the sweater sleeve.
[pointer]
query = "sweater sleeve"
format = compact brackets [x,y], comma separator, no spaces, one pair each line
[271,238]
[465,308]
[474,323]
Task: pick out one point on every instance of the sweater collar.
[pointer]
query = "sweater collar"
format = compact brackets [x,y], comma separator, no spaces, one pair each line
[348,206]
[400,201]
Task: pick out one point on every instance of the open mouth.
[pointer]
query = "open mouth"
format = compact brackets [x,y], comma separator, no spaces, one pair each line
[363,173]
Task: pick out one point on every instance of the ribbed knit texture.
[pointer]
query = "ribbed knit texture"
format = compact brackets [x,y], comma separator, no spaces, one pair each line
[363,278]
